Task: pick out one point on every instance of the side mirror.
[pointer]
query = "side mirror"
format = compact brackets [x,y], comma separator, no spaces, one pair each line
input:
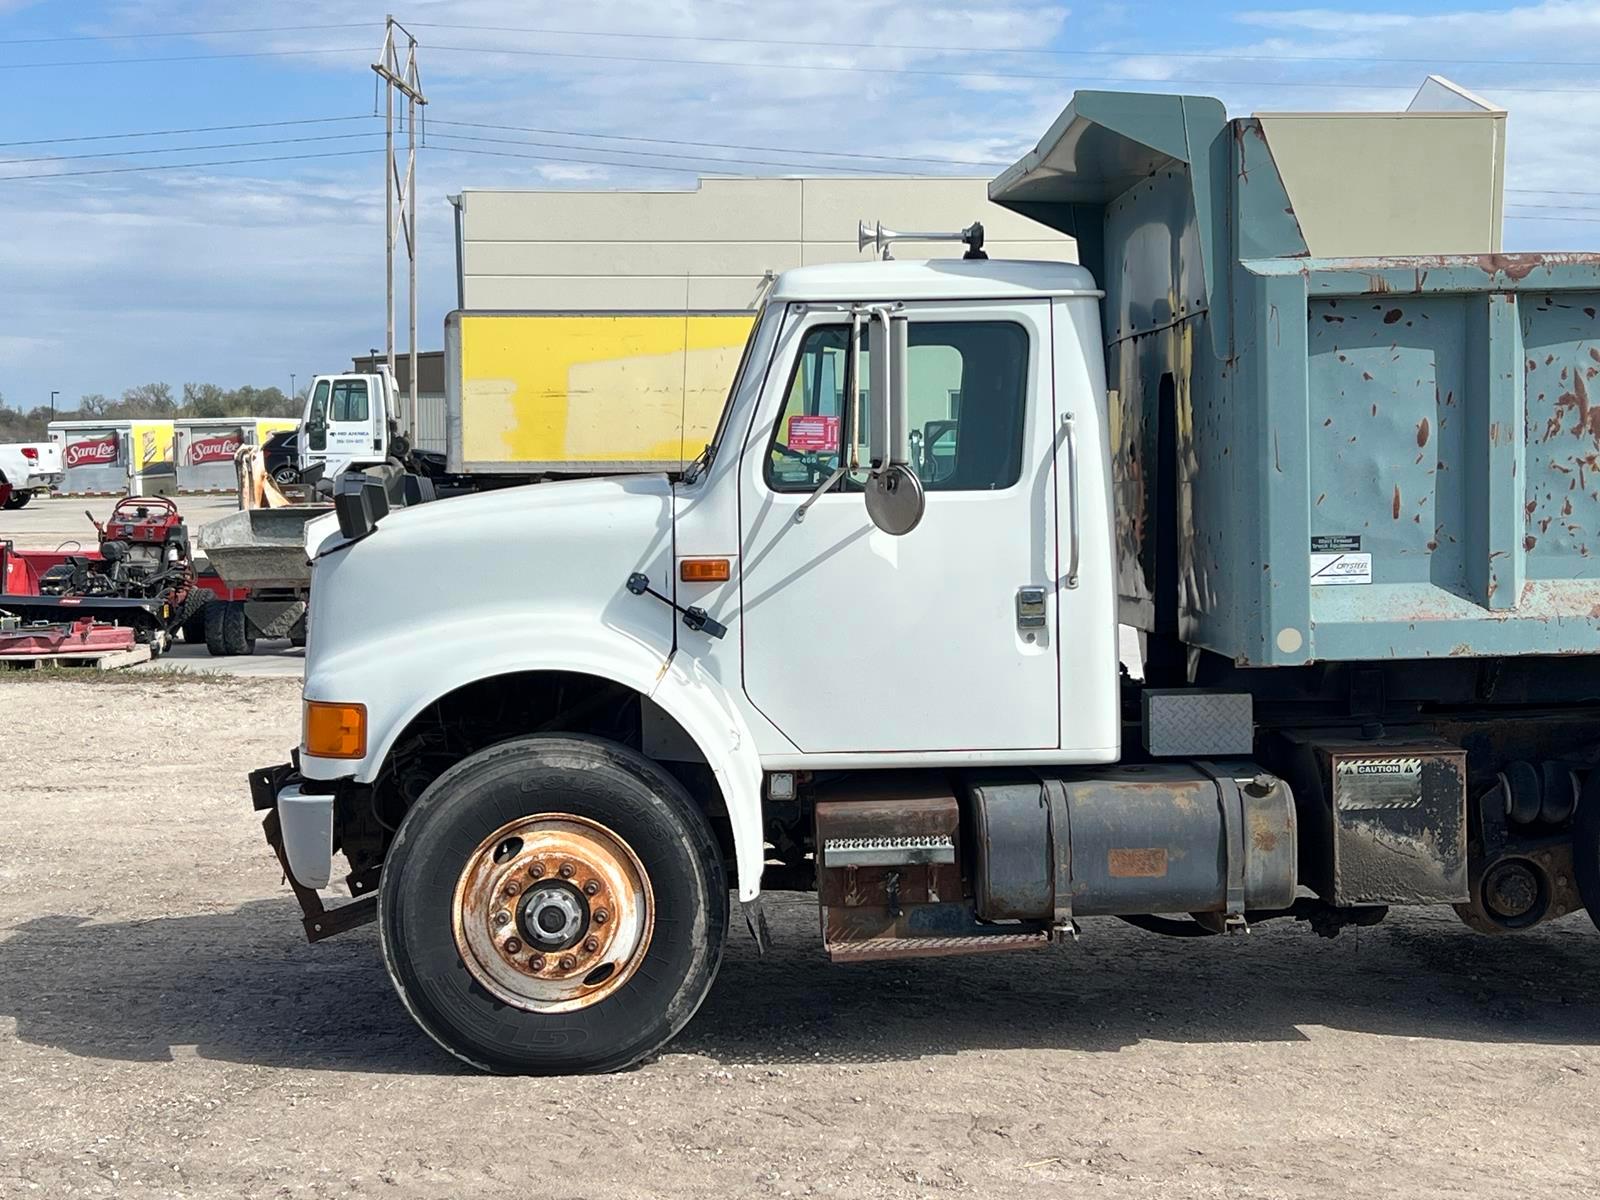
[893,490]
[894,493]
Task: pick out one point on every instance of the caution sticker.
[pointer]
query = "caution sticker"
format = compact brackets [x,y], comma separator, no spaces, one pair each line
[1335,569]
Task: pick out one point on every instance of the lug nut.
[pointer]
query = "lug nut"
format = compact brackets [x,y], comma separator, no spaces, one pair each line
[513,888]
[568,962]
[567,870]
[536,869]
[502,917]
[536,963]
[513,945]
[591,944]
[601,916]
[591,887]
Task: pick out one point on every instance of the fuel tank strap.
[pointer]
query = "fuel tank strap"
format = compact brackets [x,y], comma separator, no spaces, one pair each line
[1231,801]
[1054,797]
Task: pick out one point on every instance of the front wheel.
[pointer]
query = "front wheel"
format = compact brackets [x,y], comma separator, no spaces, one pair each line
[554,904]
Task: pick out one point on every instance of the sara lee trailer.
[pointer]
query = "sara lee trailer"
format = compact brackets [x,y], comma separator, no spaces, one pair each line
[109,458]
[203,448]
[1333,461]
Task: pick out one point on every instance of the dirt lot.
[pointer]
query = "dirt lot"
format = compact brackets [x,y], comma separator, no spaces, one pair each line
[165,1032]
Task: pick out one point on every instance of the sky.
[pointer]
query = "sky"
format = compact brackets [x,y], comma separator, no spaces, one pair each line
[248,272]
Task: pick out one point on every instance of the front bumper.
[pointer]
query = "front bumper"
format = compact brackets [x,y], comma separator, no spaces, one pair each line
[299,828]
[305,822]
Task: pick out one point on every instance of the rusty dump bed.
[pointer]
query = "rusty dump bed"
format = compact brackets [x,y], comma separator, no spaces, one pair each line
[1329,456]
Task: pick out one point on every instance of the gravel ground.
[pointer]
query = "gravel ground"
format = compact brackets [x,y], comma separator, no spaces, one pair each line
[164,1031]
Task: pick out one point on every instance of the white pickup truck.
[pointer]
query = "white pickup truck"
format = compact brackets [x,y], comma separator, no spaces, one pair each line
[28,469]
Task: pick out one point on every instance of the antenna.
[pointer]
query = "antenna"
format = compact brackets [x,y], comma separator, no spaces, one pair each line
[880,239]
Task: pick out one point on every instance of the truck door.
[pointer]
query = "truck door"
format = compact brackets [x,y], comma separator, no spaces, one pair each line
[943,639]
[342,424]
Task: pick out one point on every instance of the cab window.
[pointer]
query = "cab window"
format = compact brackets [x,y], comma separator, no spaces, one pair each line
[966,396]
[349,400]
[319,405]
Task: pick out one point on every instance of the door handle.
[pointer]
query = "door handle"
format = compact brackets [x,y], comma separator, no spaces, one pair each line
[1030,607]
[1073,533]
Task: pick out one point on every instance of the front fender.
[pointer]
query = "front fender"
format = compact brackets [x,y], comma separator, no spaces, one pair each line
[389,680]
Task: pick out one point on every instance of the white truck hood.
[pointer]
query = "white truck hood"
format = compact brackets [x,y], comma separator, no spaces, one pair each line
[514,554]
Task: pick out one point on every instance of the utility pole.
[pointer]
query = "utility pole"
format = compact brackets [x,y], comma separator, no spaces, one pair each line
[53,396]
[399,193]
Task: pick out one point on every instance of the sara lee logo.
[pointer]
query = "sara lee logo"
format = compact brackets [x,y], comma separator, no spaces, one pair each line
[218,448]
[92,451]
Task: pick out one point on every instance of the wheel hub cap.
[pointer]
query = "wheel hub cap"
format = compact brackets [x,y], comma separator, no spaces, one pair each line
[552,913]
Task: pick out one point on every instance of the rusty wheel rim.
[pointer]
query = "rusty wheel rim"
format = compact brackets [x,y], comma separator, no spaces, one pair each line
[553,913]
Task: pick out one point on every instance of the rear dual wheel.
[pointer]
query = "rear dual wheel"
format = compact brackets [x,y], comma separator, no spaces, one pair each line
[553,904]
[227,629]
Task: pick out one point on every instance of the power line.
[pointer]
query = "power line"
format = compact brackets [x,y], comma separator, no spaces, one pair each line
[928,71]
[183,33]
[1559,207]
[219,162]
[1549,192]
[327,137]
[113,62]
[103,137]
[1535,217]
[1036,50]
[588,162]
[619,137]
[701,158]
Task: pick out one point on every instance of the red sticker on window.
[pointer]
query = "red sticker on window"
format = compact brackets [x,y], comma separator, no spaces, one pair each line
[813,433]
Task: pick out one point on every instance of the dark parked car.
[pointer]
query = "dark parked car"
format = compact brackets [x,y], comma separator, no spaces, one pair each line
[282,452]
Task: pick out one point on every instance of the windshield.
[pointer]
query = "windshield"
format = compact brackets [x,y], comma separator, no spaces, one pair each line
[703,459]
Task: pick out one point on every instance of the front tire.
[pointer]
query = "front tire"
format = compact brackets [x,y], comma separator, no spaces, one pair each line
[602,847]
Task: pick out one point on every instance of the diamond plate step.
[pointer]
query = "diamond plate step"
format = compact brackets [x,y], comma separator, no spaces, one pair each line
[876,949]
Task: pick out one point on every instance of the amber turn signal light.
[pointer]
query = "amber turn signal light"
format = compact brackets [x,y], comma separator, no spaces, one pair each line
[704,570]
[335,730]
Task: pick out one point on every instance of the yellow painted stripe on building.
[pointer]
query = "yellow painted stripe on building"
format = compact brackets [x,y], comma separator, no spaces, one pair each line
[538,387]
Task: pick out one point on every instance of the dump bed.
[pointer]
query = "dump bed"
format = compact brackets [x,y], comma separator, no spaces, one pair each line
[550,393]
[262,548]
[1324,449]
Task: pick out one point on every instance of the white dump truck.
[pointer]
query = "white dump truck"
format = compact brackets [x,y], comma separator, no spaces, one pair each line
[867,642]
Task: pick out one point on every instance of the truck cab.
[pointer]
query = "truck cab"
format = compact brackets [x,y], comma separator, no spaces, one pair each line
[347,422]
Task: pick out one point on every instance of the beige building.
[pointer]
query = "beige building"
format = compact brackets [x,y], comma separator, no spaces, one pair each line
[709,247]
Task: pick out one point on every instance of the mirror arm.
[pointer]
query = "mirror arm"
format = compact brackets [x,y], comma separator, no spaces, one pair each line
[827,484]
[847,462]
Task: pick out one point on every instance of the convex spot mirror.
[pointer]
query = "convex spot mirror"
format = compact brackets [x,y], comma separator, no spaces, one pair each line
[895,499]
[894,494]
